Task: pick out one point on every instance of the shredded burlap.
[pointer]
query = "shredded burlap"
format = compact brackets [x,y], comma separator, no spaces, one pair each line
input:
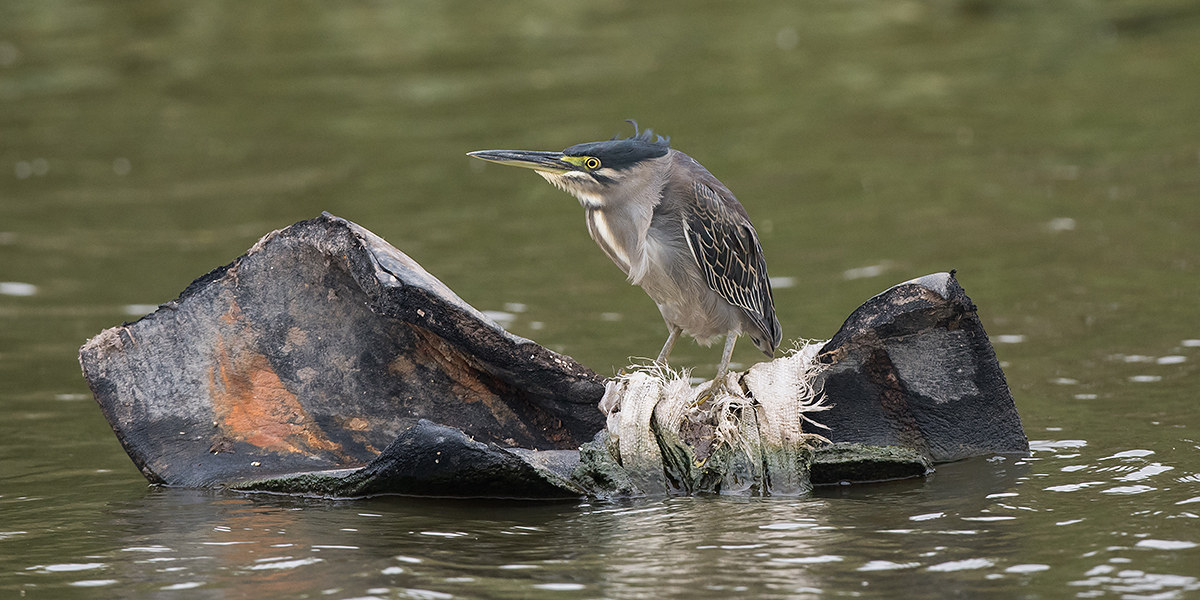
[750,440]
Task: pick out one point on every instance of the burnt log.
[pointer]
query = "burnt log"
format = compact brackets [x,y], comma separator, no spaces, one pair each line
[913,367]
[326,362]
[314,351]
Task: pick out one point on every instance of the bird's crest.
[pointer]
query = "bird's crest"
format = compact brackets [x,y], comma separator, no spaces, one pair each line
[642,136]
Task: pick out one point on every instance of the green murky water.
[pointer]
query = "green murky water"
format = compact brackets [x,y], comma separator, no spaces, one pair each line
[1048,151]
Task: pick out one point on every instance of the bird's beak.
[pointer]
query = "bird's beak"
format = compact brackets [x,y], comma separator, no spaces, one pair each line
[548,162]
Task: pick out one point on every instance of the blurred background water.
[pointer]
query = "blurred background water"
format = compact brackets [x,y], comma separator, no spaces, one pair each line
[1048,151]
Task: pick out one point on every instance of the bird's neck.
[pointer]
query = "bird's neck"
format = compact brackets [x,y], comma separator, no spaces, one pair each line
[619,225]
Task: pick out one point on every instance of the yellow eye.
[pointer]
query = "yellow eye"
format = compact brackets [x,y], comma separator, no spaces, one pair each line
[591,163]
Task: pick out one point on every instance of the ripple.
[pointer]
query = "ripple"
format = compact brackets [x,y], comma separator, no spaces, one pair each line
[1043,445]
[927,516]
[810,560]
[182,586]
[1030,568]
[67,567]
[16,288]
[1133,358]
[962,565]
[787,526]
[1008,339]
[1073,487]
[1061,224]
[864,272]
[1130,454]
[138,310]
[155,548]
[559,587]
[502,318]
[1133,581]
[1129,489]
[1145,472]
[273,559]
[285,564]
[887,565]
[1166,544]
[1145,378]
[93,582]
[419,594]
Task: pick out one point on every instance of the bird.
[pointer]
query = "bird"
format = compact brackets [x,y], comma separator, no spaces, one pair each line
[673,229]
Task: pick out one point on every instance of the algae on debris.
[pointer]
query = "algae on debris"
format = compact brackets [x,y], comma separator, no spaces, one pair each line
[667,436]
[860,463]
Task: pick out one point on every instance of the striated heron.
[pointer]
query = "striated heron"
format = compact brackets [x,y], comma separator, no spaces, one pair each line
[674,229]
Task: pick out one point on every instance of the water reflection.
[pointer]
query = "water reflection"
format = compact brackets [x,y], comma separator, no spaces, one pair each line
[996,519]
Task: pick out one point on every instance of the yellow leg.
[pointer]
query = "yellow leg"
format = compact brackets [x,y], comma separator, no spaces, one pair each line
[726,356]
[718,383]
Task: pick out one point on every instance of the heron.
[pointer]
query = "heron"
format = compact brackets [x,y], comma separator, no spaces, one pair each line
[674,230]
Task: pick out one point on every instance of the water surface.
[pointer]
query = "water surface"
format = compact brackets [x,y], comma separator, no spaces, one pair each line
[1049,152]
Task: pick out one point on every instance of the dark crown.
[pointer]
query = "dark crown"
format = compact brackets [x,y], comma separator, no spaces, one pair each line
[623,153]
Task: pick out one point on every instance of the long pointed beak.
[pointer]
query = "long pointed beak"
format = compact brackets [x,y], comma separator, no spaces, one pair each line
[549,162]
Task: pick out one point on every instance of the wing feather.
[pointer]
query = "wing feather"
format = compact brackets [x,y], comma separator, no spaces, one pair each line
[726,249]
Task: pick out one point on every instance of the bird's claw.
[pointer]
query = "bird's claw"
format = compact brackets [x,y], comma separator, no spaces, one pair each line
[713,392]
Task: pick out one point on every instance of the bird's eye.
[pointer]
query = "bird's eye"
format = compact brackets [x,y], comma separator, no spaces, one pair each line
[591,163]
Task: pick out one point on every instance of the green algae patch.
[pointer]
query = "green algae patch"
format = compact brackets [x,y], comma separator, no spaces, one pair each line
[860,463]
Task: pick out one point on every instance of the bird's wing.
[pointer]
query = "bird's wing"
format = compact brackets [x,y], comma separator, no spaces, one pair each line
[726,249]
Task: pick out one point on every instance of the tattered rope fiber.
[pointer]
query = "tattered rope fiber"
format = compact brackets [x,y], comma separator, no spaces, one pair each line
[649,405]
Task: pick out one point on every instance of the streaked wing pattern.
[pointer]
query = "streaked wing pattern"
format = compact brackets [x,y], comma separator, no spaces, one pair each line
[728,253]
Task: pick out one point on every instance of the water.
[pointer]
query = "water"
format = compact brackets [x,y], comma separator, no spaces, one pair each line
[1049,152]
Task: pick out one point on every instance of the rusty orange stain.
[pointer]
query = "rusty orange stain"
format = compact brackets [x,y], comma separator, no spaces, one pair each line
[251,403]
[466,379]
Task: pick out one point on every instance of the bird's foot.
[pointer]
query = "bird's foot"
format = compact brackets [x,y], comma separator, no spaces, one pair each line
[716,389]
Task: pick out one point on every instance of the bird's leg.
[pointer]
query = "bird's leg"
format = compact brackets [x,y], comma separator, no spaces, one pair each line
[666,351]
[718,382]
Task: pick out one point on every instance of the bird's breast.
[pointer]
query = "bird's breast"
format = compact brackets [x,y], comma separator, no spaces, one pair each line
[602,232]
[675,283]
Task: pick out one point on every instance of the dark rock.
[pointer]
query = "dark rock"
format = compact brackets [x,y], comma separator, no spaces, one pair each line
[913,367]
[859,463]
[316,350]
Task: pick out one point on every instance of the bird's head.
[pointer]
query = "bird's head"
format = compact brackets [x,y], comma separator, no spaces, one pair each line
[594,172]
